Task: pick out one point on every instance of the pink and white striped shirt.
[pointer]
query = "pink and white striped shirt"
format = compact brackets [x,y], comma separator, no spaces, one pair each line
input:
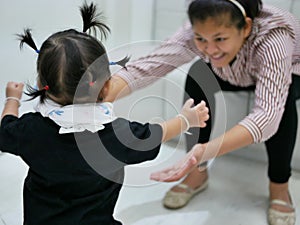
[267,59]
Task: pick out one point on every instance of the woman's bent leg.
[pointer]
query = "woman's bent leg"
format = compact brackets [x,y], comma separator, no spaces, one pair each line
[280,149]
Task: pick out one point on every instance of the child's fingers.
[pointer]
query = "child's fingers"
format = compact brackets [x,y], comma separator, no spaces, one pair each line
[20,86]
[202,124]
[203,112]
[188,103]
[16,85]
[201,106]
[10,84]
[14,89]
[204,115]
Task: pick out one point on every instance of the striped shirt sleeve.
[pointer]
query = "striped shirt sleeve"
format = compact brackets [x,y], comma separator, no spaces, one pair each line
[274,58]
[172,53]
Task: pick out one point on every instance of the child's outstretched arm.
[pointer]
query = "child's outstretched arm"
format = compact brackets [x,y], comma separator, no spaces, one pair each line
[190,116]
[13,95]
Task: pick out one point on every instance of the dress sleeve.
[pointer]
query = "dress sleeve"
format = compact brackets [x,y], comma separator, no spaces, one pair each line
[274,59]
[10,134]
[140,142]
[169,55]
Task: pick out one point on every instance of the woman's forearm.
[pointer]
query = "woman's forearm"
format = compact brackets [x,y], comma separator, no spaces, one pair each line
[235,138]
[118,89]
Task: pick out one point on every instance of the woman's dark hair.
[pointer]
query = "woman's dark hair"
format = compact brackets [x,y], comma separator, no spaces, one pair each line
[64,64]
[200,10]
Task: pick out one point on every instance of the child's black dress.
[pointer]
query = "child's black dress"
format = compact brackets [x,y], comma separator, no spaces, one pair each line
[75,178]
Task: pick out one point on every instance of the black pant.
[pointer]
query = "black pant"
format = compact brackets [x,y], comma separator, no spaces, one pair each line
[202,83]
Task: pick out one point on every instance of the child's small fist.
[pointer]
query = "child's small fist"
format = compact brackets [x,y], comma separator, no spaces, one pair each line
[14,89]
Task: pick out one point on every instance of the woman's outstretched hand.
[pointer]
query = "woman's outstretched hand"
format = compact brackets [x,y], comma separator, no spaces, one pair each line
[181,168]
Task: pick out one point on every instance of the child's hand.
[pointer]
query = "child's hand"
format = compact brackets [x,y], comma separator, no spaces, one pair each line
[14,89]
[196,115]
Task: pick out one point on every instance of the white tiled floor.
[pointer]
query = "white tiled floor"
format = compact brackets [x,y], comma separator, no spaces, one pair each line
[237,193]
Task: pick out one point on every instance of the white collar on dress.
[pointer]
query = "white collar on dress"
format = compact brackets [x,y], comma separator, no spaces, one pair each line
[77,117]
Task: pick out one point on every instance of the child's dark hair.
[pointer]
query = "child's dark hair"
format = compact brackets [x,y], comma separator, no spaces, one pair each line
[72,66]
[200,10]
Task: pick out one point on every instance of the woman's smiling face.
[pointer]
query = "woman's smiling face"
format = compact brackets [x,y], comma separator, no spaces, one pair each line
[220,42]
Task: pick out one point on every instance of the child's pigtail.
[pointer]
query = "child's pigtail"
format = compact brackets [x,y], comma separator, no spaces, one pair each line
[33,92]
[90,20]
[122,62]
[27,38]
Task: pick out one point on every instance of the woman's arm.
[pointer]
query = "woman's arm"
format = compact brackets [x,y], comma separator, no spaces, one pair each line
[118,89]
[273,76]
[235,138]
[143,71]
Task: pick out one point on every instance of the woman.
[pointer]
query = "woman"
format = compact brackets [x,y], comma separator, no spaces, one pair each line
[248,46]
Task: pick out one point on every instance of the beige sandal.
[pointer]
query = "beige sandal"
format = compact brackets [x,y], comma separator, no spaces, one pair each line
[276,217]
[176,200]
